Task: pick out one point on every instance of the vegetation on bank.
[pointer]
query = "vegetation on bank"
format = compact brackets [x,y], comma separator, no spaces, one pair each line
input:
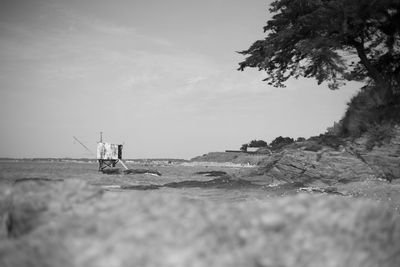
[254,144]
[365,115]
[313,143]
[276,144]
[336,41]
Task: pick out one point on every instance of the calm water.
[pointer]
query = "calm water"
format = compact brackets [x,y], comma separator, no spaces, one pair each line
[185,177]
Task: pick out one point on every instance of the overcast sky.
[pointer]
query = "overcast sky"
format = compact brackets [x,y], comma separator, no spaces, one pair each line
[157,75]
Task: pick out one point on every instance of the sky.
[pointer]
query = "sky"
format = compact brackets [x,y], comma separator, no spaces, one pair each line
[159,76]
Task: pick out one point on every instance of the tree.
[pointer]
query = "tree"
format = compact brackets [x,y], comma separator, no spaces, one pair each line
[244,147]
[258,143]
[333,41]
[280,142]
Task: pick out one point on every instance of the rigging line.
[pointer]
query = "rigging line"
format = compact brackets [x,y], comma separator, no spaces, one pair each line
[76,139]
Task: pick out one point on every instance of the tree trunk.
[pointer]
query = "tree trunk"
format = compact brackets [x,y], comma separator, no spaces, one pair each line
[382,85]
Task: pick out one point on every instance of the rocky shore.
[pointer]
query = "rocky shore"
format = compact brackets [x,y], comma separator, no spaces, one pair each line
[351,167]
[351,161]
[313,162]
[345,212]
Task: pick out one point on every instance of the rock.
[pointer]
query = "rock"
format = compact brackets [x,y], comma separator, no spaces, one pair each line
[224,182]
[384,159]
[142,171]
[113,171]
[326,166]
[232,157]
[315,163]
[161,229]
[327,190]
[212,173]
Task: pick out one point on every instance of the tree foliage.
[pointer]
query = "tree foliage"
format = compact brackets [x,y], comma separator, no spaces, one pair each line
[244,147]
[331,40]
[280,141]
[254,143]
[300,139]
[258,143]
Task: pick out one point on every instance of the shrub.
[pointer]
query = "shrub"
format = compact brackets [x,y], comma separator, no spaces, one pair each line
[364,112]
[280,142]
[300,139]
[335,129]
[328,140]
[258,143]
[244,147]
[378,135]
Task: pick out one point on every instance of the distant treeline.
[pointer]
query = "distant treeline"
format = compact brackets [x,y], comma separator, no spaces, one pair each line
[275,144]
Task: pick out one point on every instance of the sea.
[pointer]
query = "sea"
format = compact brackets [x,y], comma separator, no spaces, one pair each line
[211,182]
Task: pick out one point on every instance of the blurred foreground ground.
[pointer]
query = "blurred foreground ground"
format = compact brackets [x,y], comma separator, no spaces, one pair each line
[58,220]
